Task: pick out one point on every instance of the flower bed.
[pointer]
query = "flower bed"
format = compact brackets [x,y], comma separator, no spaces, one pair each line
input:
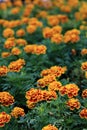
[43,65]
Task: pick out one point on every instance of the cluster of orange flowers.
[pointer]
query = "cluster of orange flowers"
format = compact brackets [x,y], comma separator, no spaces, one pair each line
[34,96]
[17,112]
[4,118]
[56,36]
[35,49]
[73,103]
[6,99]
[83,113]
[16,66]
[70,89]
[50,127]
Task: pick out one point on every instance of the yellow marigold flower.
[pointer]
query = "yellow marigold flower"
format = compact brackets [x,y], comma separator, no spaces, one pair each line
[15,10]
[5,54]
[84,66]
[17,112]
[31,29]
[45,72]
[84,51]
[20,32]
[39,49]
[57,38]
[16,66]
[6,98]
[4,118]
[53,20]
[50,127]
[9,44]
[3,70]
[84,93]
[83,113]
[8,33]
[21,42]
[73,103]
[15,51]
[54,86]
[47,32]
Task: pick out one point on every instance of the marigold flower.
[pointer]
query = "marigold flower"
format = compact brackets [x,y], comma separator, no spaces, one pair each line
[84,51]
[17,112]
[72,36]
[8,33]
[39,49]
[73,103]
[50,127]
[54,86]
[5,54]
[53,20]
[20,32]
[84,93]
[4,118]
[6,98]
[16,66]
[30,104]
[15,51]
[47,32]
[83,113]
[3,70]
[70,89]
[56,29]
[84,66]
[57,38]
[15,10]
[21,42]
[9,44]
[31,29]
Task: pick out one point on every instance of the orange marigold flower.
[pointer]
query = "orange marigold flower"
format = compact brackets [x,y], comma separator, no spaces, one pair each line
[3,70]
[47,32]
[15,10]
[56,29]
[84,66]
[70,89]
[84,51]
[16,66]
[21,42]
[39,49]
[57,38]
[29,48]
[30,104]
[4,118]
[20,32]
[72,36]
[46,80]
[53,20]
[83,113]
[5,54]
[15,51]
[31,29]
[6,98]
[17,112]
[8,33]
[50,127]
[9,44]
[54,86]
[84,93]
[73,103]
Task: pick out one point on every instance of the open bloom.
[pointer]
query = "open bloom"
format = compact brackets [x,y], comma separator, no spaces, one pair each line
[3,70]
[50,127]
[17,112]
